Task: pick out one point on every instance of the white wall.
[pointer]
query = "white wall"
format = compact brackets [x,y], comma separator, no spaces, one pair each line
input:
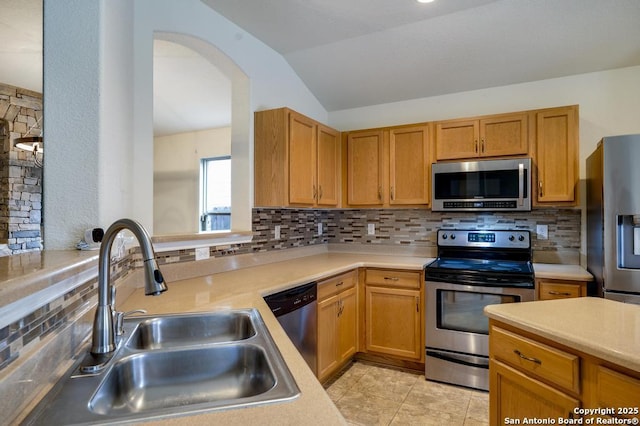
[98,105]
[176,177]
[609,105]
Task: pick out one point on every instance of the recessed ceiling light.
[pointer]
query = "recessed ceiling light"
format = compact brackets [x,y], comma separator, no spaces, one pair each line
[425,1]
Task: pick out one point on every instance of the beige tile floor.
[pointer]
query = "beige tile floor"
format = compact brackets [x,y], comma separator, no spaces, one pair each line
[368,394]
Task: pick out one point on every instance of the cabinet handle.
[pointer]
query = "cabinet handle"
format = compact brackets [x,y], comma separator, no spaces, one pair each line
[392,195]
[315,192]
[319,192]
[391,278]
[339,284]
[476,144]
[340,307]
[417,304]
[380,193]
[526,358]
[559,293]
[540,186]
[482,146]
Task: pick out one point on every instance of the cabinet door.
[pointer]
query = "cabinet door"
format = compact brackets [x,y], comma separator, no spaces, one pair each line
[513,395]
[302,159]
[504,135]
[618,391]
[347,324]
[457,139]
[556,154]
[328,170]
[327,339]
[365,159]
[409,165]
[393,321]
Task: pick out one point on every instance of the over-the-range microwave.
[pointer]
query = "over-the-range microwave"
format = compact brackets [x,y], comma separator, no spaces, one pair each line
[484,185]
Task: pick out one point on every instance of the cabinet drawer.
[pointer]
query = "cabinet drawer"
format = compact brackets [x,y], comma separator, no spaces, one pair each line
[546,362]
[393,278]
[560,289]
[334,285]
[617,390]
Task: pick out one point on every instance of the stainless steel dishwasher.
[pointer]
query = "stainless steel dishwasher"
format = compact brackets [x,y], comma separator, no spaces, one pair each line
[296,310]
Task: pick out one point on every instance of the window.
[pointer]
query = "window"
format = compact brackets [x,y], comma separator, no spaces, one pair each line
[215,194]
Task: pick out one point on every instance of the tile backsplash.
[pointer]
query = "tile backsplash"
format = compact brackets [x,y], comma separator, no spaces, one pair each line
[413,227]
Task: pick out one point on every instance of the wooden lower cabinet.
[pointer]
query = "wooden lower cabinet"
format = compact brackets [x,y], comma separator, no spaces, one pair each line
[514,395]
[534,378]
[337,330]
[547,289]
[394,314]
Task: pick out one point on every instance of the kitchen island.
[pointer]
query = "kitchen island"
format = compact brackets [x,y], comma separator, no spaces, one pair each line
[554,359]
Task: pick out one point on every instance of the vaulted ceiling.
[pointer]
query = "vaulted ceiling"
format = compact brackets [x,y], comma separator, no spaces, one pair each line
[354,53]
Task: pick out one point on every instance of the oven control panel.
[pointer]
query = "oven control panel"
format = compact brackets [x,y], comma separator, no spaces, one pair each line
[484,238]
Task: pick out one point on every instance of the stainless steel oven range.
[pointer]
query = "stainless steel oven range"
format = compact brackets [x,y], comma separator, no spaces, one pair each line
[473,269]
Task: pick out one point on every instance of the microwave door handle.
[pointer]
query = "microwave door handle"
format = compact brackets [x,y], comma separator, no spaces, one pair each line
[520,184]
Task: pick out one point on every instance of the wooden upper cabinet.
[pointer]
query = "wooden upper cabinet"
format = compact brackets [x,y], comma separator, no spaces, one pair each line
[328,170]
[409,167]
[303,148]
[504,135]
[365,168]
[297,160]
[457,139]
[491,136]
[388,167]
[556,155]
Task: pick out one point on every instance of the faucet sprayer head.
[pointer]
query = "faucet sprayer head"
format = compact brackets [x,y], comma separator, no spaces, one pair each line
[154,281]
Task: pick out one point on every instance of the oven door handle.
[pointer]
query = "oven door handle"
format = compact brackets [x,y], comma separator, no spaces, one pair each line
[520,184]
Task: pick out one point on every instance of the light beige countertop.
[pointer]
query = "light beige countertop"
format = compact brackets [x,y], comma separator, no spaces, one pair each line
[561,272]
[602,328]
[244,288]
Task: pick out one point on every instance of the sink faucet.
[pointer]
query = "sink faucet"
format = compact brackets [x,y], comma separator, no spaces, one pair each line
[103,324]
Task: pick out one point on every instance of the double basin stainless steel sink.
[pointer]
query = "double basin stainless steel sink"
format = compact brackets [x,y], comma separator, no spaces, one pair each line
[170,365]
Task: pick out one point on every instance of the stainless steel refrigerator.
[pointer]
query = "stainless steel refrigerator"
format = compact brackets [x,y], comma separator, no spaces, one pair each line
[613,217]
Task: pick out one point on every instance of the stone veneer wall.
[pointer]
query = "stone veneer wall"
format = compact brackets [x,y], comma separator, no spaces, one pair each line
[20,179]
[299,228]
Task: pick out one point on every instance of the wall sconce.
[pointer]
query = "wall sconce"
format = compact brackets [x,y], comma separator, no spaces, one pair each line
[34,144]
